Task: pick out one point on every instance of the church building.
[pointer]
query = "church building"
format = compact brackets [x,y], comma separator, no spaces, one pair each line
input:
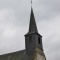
[33,45]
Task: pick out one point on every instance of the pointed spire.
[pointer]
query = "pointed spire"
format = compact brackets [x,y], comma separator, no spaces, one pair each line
[32,26]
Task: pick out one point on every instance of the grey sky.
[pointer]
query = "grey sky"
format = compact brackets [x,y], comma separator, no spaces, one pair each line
[14,22]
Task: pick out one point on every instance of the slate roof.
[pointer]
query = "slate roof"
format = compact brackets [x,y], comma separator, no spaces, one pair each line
[32,25]
[20,55]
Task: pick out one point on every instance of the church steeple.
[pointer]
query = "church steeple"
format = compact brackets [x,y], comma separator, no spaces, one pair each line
[32,39]
[32,26]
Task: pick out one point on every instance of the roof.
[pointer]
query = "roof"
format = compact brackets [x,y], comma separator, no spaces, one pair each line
[20,55]
[32,25]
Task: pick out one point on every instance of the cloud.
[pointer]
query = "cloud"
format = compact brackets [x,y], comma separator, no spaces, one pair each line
[51,37]
[14,21]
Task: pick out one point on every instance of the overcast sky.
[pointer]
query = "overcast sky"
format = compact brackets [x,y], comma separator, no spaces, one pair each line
[14,24]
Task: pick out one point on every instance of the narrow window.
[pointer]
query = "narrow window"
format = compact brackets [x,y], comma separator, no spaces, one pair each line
[30,38]
[39,40]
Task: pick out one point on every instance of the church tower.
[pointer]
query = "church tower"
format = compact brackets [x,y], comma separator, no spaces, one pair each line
[33,40]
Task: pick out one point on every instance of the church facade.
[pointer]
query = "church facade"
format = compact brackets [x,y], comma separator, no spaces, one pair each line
[33,45]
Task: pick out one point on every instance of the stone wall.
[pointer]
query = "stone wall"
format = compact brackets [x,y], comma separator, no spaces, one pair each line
[39,57]
[39,54]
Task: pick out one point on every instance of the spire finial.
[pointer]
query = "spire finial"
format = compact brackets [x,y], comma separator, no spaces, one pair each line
[31,3]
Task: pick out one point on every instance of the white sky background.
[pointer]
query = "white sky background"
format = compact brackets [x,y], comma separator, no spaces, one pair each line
[14,23]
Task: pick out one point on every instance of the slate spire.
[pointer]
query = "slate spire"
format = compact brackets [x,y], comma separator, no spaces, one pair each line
[32,25]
